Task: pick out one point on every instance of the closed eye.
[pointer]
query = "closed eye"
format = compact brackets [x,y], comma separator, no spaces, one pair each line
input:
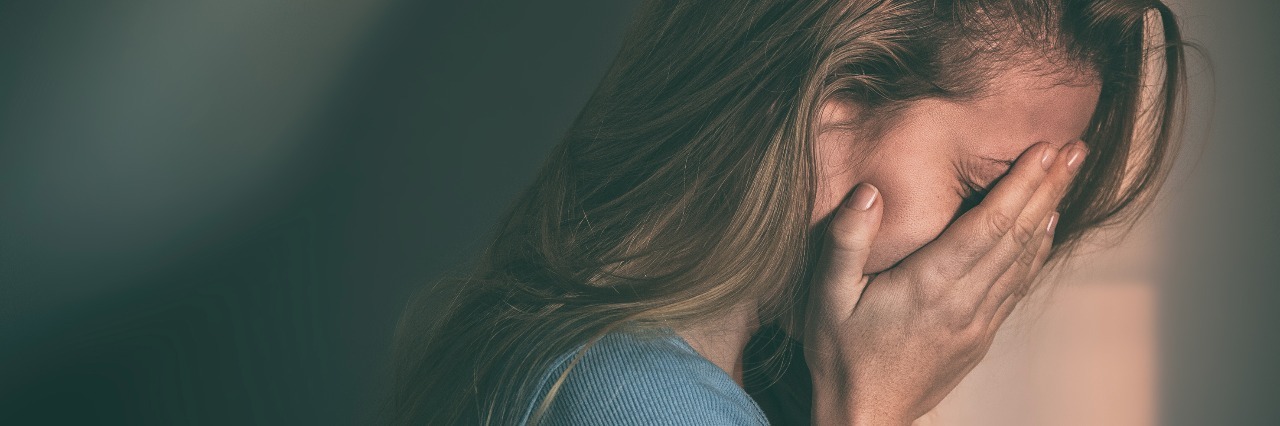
[972,193]
[972,196]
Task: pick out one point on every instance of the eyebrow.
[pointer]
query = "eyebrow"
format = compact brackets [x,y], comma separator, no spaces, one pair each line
[997,161]
[984,183]
[1008,163]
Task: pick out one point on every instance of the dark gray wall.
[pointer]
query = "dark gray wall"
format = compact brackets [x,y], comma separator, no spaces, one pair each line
[1220,307]
[212,211]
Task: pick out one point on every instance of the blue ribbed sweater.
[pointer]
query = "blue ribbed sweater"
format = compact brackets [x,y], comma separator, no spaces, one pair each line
[645,379]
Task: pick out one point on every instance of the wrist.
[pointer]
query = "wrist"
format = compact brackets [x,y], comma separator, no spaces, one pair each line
[838,416]
[876,419]
[832,407]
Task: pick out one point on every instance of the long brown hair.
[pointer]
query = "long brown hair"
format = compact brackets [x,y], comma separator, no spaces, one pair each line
[685,185]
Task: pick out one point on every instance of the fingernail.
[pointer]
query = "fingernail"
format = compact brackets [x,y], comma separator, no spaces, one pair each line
[1076,157]
[1046,157]
[1053,223]
[863,196]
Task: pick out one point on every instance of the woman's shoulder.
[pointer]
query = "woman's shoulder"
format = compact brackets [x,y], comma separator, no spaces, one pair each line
[650,377]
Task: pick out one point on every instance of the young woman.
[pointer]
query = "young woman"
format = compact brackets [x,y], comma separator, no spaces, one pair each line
[869,185]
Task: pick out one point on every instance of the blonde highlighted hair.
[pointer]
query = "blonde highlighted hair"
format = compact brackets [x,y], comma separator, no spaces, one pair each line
[685,185]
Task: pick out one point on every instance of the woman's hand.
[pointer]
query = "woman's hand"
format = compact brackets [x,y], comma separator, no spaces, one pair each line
[886,348]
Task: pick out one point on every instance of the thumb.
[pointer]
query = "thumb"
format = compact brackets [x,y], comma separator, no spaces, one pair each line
[849,238]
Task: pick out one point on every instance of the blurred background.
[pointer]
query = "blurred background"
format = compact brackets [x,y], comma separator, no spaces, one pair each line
[212,212]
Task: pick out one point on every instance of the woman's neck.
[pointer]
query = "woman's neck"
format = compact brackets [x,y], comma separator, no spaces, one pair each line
[724,342]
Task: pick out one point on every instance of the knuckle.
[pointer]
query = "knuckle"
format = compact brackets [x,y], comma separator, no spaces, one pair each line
[999,222]
[958,320]
[977,333]
[968,332]
[926,296]
[1024,232]
[1027,259]
[937,300]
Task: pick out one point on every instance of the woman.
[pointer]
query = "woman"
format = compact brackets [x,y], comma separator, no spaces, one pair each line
[872,185]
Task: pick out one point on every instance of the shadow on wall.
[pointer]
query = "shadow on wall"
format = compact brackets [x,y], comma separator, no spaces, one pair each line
[212,211]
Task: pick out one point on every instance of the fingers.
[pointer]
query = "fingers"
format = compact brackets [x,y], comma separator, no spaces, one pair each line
[1011,300]
[844,255]
[954,253]
[1015,278]
[1046,245]
[1033,216]
[1011,257]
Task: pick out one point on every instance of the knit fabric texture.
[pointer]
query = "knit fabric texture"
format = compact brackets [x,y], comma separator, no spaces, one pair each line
[654,378]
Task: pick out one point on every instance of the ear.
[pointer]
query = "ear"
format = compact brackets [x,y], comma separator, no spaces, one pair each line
[839,154]
[838,113]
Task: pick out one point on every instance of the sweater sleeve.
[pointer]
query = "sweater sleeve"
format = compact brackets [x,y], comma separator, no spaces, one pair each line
[632,380]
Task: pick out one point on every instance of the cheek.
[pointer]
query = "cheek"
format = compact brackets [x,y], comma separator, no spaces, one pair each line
[919,194]
[918,206]
[837,170]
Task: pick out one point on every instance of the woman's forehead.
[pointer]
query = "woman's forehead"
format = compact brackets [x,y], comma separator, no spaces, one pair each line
[1024,108]
[1020,111]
